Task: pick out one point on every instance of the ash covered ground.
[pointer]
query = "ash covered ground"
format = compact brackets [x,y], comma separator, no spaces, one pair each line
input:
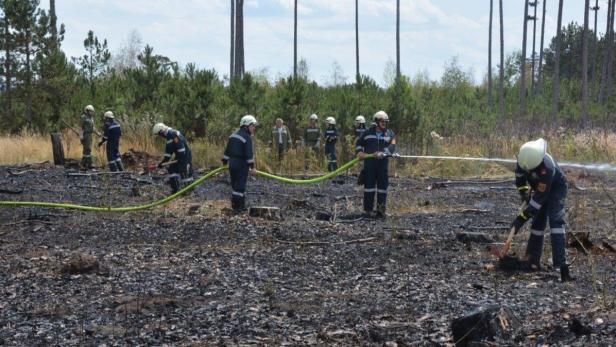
[189,273]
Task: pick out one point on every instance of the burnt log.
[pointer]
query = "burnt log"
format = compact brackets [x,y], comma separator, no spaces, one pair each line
[486,323]
[466,237]
[579,240]
[272,213]
[57,148]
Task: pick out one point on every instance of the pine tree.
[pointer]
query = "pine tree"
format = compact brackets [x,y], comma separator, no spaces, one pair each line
[95,61]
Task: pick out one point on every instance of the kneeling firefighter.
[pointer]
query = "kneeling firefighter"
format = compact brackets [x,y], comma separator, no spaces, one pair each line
[240,157]
[111,134]
[538,169]
[181,170]
[380,141]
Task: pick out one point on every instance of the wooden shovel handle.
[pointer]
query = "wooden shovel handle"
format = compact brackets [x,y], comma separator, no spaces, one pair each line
[507,244]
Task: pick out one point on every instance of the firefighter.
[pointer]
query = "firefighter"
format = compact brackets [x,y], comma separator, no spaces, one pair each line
[360,126]
[181,170]
[87,129]
[239,155]
[312,134]
[111,135]
[281,138]
[546,201]
[380,141]
[331,136]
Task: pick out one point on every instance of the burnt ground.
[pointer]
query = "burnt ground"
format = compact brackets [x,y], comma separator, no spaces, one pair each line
[189,274]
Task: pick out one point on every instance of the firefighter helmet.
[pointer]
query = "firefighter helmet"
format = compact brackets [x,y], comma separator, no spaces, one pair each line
[158,127]
[531,154]
[248,120]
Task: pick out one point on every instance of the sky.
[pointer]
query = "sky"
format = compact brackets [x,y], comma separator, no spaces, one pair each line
[432,32]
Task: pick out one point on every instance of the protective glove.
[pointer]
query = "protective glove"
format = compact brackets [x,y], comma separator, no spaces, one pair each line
[224,161]
[518,222]
[101,143]
[379,155]
[524,194]
[160,165]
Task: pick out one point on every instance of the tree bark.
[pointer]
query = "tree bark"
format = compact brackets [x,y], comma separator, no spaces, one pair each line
[501,73]
[398,74]
[357,76]
[556,79]
[523,63]
[490,56]
[239,39]
[28,82]
[585,65]
[595,56]
[232,43]
[8,97]
[540,66]
[57,148]
[295,40]
[610,62]
[608,49]
[53,28]
[532,62]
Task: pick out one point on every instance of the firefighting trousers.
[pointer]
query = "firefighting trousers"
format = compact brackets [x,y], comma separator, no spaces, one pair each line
[376,181]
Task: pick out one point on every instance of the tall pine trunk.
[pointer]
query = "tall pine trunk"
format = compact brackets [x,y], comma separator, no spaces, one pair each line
[595,55]
[8,78]
[540,66]
[239,39]
[585,65]
[556,79]
[490,56]
[232,43]
[523,63]
[532,61]
[501,73]
[53,28]
[295,40]
[28,81]
[357,75]
[610,63]
[607,54]
[398,74]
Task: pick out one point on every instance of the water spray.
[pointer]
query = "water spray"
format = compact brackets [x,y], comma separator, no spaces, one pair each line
[604,167]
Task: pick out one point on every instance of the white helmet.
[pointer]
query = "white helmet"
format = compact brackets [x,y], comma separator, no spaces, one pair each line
[531,154]
[109,115]
[88,109]
[158,127]
[313,117]
[330,120]
[360,120]
[381,115]
[248,120]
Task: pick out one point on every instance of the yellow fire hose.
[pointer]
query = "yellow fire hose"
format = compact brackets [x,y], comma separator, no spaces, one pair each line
[181,192]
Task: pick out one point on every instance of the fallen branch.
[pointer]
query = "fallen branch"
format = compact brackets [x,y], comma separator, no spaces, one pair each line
[9,191]
[608,195]
[503,227]
[324,243]
[19,173]
[81,174]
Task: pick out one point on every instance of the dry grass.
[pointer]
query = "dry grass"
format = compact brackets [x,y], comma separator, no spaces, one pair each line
[589,146]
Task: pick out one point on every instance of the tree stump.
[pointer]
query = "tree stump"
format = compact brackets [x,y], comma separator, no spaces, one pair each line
[486,323]
[272,213]
[58,149]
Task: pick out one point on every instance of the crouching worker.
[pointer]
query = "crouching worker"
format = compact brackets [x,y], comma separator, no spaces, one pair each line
[239,155]
[111,135]
[381,142]
[180,170]
[547,202]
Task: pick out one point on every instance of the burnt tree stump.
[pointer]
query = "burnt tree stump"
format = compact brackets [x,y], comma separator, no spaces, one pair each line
[57,148]
[272,213]
[486,323]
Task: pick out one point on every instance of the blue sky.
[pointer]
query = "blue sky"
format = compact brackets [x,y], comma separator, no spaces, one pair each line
[432,32]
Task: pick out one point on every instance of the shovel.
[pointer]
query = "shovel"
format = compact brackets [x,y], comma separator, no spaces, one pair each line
[502,252]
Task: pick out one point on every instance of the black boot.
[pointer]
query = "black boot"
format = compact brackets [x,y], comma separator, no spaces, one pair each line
[565,276]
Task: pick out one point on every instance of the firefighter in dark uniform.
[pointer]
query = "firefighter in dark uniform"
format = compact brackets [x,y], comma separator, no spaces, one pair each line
[548,185]
[180,172]
[381,142]
[239,155]
[360,126]
[331,136]
[312,134]
[111,134]
[87,129]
